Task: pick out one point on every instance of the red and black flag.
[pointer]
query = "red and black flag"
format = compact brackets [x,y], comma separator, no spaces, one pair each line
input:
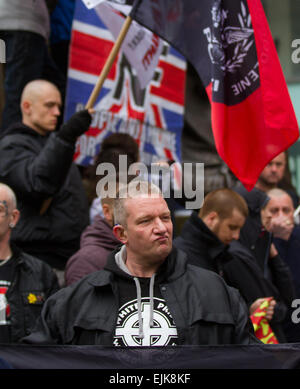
[230,45]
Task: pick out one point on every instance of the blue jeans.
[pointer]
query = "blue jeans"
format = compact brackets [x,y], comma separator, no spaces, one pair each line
[27,58]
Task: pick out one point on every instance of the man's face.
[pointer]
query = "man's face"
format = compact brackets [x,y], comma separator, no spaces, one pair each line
[278,207]
[149,229]
[274,171]
[228,229]
[4,216]
[8,215]
[45,110]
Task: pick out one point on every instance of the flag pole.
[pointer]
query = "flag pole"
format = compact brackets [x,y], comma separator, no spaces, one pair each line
[109,62]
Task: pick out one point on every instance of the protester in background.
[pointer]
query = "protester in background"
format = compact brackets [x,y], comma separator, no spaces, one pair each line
[97,240]
[257,269]
[25,281]
[112,147]
[147,281]
[25,29]
[274,176]
[287,241]
[207,233]
[210,238]
[37,163]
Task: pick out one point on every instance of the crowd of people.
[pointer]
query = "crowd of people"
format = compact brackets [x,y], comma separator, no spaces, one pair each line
[81,267]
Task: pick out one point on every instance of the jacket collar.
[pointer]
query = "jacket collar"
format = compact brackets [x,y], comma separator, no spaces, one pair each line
[201,232]
[173,267]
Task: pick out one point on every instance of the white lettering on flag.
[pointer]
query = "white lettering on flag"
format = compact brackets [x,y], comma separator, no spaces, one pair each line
[141,47]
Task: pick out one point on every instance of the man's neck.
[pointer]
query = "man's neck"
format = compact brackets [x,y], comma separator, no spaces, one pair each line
[137,267]
[140,270]
[34,127]
[263,186]
[5,250]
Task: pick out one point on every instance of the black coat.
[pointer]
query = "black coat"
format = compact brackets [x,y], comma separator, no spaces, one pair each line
[253,235]
[38,168]
[203,247]
[205,310]
[238,267]
[244,273]
[33,282]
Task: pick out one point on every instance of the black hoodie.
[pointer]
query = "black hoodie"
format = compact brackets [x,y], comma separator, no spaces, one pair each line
[37,168]
[141,298]
[203,247]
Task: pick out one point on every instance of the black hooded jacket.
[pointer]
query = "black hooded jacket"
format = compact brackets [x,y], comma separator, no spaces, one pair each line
[239,268]
[33,282]
[244,273]
[205,310]
[37,168]
[203,247]
[253,235]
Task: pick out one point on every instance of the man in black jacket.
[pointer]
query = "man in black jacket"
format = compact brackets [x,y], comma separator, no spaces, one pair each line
[208,245]
[36,162]
[147,295]
[25,281]
[207,234]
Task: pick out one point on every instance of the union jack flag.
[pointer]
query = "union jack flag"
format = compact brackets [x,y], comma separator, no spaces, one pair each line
[153,116]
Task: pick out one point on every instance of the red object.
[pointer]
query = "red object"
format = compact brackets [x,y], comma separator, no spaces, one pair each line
[250,134]
[262,328]
[230,45]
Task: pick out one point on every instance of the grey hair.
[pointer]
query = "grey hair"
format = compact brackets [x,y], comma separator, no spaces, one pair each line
[11,195]
[277,192]
[136,188]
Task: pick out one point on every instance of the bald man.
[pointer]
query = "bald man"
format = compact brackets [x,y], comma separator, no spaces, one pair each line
[25,282]
[36,162]
[287,241]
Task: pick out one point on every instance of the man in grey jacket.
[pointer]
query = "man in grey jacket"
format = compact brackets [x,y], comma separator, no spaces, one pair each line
[147,295]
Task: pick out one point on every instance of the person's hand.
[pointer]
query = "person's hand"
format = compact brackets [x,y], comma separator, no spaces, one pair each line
[269,309]
[282,227]
[273,251]
[77,125]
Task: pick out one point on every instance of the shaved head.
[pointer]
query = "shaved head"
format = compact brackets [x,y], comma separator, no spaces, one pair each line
[9,214]
[40,106]
[10,197]
[35,89]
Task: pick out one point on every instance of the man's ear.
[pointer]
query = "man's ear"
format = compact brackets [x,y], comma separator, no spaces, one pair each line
[14,218]
[211,219]
[26,107]
[120,233]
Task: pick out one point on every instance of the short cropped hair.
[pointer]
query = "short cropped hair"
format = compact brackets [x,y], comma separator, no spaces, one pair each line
[136,188]
[223,202]
[108,192]
[11,195]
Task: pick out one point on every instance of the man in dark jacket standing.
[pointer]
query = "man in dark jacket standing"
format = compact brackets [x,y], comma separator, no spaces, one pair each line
[36,162]
[25,281]
[207,234]
[147,295]
[215,246]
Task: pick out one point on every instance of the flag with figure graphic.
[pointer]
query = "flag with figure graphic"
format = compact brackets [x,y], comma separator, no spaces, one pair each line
[230,45]
[152,114]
